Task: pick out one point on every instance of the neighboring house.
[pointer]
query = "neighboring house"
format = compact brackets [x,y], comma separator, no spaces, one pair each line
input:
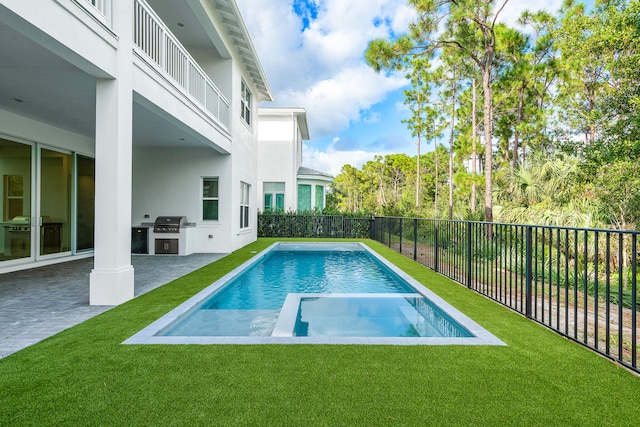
[285,185]
[146,107]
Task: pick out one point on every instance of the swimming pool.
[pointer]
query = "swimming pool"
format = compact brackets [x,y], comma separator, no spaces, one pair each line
[322,293]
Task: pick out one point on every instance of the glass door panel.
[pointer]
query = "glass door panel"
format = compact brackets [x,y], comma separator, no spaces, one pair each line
[280,202]
[55,202]
[15,170]
[304,197]
[85,199]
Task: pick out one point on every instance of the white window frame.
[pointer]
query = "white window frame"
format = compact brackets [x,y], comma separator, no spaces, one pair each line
[246,99]
[245,220]
[274,194]
[217,198]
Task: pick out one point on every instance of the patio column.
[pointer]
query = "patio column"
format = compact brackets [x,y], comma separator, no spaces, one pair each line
[111,280]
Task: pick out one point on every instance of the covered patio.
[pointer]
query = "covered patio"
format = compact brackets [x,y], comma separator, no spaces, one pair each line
[38,303]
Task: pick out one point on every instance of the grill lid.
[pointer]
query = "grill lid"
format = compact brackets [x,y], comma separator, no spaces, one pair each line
[21,220]
[169,224]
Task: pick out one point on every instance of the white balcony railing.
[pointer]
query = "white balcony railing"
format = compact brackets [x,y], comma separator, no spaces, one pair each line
[153,38]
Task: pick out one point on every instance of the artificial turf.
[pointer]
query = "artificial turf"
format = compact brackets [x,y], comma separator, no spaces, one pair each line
[85,376]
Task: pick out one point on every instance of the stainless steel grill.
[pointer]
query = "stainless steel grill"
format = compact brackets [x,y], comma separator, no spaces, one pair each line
[20,223]
[169,224]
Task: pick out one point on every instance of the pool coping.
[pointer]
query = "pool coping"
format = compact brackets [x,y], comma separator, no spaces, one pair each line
[147,334]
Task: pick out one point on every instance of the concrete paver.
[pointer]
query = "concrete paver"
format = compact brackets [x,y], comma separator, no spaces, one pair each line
[38,303]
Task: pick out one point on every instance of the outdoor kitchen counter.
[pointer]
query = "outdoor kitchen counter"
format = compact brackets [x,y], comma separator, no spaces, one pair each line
[181,242]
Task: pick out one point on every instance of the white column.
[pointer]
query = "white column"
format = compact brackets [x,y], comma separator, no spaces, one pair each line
[111,281]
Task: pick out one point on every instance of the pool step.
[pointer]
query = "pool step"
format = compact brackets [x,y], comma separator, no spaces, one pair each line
[227,323]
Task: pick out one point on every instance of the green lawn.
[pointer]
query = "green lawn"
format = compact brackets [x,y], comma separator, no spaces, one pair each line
[84,376]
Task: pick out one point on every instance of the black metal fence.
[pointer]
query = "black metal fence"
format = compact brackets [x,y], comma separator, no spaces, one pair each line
[582,283]
[312,225]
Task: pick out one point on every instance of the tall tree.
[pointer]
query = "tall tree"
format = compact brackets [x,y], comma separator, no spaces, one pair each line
[474,144]
[417,98]
[583,81]
[465,25]
[348,189]
[617,32]
[543,63]
[451,137]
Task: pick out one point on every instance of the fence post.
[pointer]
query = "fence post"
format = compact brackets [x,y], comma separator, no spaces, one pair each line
[469,254]
[401,230]
[435,249]
[415,239]
[528,272]
[372,228]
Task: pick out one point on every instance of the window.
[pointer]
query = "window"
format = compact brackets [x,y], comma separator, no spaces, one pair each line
[210,199]
[244,204]
[13,196]
[304,197]
[274,196]
[245,103]
[319,197]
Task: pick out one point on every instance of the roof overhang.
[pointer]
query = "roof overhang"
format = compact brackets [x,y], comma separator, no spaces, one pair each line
[311,174]
[237,31]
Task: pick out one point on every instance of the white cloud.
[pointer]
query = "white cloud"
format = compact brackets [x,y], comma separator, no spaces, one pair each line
[333,104]
[322,68]
[403,16]
[332,161]
[346,151]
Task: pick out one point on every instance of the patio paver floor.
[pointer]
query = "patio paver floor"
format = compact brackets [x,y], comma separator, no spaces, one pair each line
[38,303]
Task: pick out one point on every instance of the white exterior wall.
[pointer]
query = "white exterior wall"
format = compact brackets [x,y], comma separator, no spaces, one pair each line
[23,129]
[134,177]
[180,171]
[69,31]
[279,156]
[164,186]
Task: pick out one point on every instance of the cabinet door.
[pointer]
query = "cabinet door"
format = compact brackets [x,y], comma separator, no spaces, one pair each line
[166,246]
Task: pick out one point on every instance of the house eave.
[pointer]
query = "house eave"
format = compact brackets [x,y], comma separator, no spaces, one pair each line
[238,33]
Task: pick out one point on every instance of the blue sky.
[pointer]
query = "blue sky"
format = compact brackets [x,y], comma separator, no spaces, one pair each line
[312,52]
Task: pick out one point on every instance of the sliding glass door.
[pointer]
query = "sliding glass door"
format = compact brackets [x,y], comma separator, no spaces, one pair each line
[55,201]
[85,196]
[46,202]
[16,171]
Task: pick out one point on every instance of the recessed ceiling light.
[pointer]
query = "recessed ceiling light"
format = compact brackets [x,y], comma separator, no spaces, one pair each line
[16,100]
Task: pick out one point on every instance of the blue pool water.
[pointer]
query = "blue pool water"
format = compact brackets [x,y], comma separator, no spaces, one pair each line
[251,303]
[315,293]
[264,286]
[386,316]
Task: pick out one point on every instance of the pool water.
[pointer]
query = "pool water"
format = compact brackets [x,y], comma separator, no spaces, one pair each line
[324,293]
[387,316]
[251,303]
[265,285]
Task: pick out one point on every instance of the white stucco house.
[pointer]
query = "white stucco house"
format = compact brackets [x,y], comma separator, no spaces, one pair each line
[116,112]
[284,184]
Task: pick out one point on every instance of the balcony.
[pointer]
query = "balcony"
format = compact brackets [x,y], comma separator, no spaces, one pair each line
[161,49]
